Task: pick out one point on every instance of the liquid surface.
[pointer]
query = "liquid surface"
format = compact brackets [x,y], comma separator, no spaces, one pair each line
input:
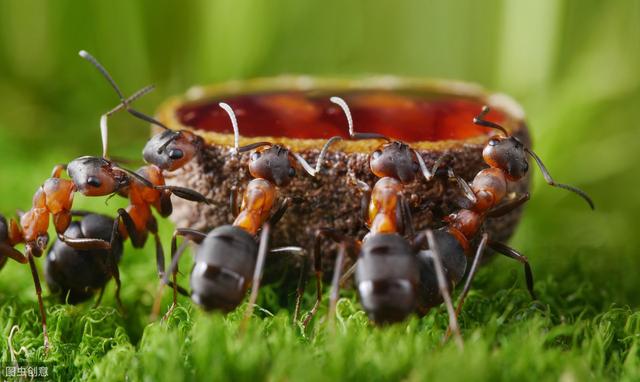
[409,117]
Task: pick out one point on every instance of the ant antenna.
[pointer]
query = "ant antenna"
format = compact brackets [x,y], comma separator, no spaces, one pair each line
[84,54]
[323,152]
[234,123]
[479,120]
[551,182]
[345,108]
[124,102]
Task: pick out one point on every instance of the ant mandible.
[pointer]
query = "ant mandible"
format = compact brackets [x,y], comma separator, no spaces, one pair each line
[228,257]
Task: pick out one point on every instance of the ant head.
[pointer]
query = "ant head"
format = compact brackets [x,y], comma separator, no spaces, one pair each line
[396,160]
[504,152]
[507,154]
[95,176]
[170,150]
[272,163]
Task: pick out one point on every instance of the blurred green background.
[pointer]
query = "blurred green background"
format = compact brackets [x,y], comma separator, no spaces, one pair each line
[573,65]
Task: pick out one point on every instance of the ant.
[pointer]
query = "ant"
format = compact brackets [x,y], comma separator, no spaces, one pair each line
[91,176]
[149,190]
[228,257]
[168,150]
[394,275]
[506,157]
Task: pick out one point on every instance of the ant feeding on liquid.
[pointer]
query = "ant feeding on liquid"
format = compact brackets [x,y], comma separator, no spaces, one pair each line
[229,259]
[394,275]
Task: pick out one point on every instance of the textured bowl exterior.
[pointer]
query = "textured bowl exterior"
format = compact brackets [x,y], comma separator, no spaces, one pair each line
[330,199]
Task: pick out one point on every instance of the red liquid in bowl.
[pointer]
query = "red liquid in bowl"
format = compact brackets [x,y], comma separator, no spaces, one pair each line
[405,116]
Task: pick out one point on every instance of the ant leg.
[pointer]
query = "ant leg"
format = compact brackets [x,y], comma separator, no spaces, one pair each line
[12,253]
[166,207]
[190,234]
[317,266]
[335,282]
[348,273]
[366,196]
[317,269]
[115,271]
[302,283]
[509,206]
[504,249]
[405,213]
[57,170]
[233,201]
[99,300]
[257,275]
[275,218]
[472,271]
[185,193]
[152,226]
[444,289]
[36,284]
[464,186]
[302,279]
[84,244]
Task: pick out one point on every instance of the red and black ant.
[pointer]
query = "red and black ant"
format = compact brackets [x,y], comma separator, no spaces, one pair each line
[228,259]
[506,157]
[91,176]
[165,152]
[394,275]
[168,150]
[384,298]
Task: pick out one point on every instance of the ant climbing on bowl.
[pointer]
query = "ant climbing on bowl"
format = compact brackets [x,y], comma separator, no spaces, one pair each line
[506,157]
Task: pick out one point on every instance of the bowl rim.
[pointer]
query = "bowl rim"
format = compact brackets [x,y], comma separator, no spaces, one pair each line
[514,113]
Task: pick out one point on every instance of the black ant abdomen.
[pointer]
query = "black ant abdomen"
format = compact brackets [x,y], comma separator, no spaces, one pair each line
[223,267]
[454,264]
[387,277]
[75,275]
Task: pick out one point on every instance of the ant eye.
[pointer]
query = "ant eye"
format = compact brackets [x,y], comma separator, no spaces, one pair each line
[176,154]
[94,181]
[292,172]
[255,156]
[376,154]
